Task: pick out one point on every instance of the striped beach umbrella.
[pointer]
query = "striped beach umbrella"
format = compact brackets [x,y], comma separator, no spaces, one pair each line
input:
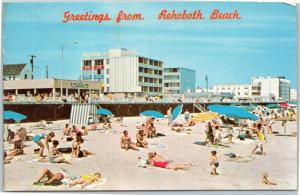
[205,116]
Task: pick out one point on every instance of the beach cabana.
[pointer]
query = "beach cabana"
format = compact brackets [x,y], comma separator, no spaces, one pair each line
[83,114]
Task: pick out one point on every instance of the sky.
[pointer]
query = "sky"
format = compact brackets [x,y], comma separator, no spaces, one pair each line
[261,43]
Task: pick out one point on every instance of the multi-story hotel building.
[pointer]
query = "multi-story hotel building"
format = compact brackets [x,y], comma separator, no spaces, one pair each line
[124,71]
[179,80]
[273,88]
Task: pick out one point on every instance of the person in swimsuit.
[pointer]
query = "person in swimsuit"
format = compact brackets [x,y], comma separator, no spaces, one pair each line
[260,139]
[52,178]
[76,152]
[214,163]
[126,142]
[38,140]
[86,180]
[169,116]
[159,161]
[141,139]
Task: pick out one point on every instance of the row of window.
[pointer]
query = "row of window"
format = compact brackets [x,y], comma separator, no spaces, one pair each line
[98,62]
[151,89]
[150,71]
[171,84]
[150,80]
[89,72]
[150,62]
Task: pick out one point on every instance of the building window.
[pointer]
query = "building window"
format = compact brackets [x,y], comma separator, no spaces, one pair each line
[87,62]
[107,61]
[107,71]
[141,69]
[107,89]
[98,62]
[25,76]
[98,71]
[107,80]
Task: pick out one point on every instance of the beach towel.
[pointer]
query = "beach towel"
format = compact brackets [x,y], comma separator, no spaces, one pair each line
[239,159]
[93,185]
[200,143]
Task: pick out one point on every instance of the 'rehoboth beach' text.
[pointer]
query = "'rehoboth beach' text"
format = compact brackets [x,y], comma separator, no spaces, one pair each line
[164,14]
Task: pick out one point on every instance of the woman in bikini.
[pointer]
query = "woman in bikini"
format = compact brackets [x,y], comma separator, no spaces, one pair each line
[38,140]
[141,139]
[86,180]
[159,161]
[52,178]
[76,152]
[126,142]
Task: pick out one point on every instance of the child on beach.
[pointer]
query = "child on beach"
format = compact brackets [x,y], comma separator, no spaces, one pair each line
[214,163]
[38,140]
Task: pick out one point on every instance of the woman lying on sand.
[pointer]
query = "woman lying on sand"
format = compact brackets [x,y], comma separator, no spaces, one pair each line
[52,178]
[159,161]
[141,139]
[38,140]
[76,152]
[126,142]
[265,179]
[86,180]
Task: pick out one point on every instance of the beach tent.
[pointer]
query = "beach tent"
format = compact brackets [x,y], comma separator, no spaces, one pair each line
[233,112]
[205,116]
[83,114]
[176,112]
[152,113]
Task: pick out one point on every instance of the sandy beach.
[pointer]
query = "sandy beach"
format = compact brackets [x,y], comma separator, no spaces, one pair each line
[121,172]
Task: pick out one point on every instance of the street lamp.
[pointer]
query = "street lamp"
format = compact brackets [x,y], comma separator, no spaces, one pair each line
[63,46]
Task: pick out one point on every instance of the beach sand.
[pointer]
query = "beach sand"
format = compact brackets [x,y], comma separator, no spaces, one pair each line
[121,171]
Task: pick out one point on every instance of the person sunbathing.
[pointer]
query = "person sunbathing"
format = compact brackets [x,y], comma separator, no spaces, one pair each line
[106,125]
[14,152]
[141,139]
[265,179]
[159,161]
[55,156]
[48,177]
[76,152]
[38,140]
[126,142]
[93,127]
[86,180]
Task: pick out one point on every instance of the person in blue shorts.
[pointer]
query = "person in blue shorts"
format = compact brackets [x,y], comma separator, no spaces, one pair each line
[38,140]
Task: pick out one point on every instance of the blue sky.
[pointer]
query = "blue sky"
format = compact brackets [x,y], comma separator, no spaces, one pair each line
[262,43]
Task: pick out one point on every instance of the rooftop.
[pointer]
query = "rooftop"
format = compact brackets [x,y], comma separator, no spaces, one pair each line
[13,69]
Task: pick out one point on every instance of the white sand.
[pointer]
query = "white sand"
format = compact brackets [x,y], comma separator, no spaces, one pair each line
[122,173]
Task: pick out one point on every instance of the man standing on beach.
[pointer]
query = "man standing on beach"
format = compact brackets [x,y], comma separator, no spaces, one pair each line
[169,115]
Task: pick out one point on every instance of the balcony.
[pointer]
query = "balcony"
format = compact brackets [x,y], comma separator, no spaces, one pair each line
[86,67]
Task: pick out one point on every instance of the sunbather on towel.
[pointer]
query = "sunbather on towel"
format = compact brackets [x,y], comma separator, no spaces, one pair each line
[86,180]
[52,178]
[159,161]
[76,152]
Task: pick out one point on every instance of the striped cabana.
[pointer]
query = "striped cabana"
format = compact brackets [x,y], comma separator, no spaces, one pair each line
[83,114]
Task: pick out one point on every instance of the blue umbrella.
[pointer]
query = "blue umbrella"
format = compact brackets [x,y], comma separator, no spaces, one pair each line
[8,115]
[176,112]
[233,112]
[152,113]
[103,111]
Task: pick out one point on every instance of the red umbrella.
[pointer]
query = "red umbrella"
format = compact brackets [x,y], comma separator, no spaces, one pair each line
[284,105]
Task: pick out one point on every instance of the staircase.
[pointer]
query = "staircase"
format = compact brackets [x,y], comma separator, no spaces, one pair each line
[201,107]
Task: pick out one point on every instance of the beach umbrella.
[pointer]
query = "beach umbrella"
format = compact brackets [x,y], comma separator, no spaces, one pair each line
[11,115]
[233,112]
[284,105]
[249,108]
[272,106]
[292,103]
[152,113]
[176,112]
[205,116]
[103,111]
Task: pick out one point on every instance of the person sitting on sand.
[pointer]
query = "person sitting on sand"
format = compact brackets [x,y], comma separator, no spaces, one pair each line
[151,131]
[217,135]
[106,125]
[265,179]
[126,142]
[54,155]
[159,161]
[14,152]
[17,141]
[93,127]
[67,130]
[214,163]
[84,130]
[52,178]
[76,152]
[141,139]
[86,180]
[38,140]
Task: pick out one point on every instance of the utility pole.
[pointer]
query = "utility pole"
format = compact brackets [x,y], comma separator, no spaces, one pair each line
[31,62]
[46,71]
[206,82]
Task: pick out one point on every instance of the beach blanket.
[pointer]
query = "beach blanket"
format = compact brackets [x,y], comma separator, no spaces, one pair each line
[239,159]
[91,186]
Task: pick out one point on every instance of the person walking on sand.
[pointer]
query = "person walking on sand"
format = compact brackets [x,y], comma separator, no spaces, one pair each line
[169,116]
[126,142]
[214,163]
[259,141]
[186,116]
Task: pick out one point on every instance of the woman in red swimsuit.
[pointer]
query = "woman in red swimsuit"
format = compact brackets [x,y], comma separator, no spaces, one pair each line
[158,161]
